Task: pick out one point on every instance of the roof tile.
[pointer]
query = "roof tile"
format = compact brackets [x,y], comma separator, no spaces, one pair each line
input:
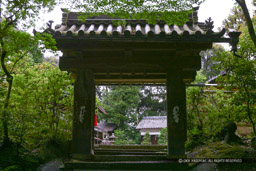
[153,122]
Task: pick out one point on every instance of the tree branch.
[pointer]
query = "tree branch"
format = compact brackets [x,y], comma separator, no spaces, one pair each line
[248,20]
[17,61]
[9,24]
[7,73]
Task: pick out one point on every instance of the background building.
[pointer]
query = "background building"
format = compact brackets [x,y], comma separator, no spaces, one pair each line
[152,124]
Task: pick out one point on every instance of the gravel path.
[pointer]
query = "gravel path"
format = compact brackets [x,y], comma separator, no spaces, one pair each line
[51,166]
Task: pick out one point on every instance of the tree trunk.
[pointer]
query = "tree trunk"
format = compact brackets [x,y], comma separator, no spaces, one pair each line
[5,112]
[250,114]
[9,79]
[198,116]
[248,19]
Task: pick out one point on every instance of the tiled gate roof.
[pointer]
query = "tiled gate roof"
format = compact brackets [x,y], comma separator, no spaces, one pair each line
[103,26]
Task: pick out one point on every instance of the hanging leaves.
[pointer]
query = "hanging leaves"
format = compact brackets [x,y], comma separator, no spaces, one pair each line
[171,11]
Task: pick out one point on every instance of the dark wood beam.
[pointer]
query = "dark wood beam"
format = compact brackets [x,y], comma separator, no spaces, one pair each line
[136,81]
[135,53]
[188,76]
[94,44]
[125,76]
[128,81]
[131,65]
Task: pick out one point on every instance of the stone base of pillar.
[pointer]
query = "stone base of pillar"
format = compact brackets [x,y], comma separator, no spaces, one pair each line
[79,156]
[176,156]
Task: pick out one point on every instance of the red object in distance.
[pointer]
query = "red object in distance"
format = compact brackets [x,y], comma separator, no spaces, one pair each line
[95,120]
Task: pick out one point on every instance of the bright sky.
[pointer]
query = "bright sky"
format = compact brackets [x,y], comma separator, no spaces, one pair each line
[218,10]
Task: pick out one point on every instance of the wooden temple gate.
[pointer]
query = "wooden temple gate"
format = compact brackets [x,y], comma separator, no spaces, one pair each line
[99,52]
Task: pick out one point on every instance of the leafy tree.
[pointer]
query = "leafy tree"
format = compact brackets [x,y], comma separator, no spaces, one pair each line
[235,20]
[196,103]
[241,73]
[121,138]
[14,44]
[129,104]
[146,139]
[40,113]
[41,104]
[221,110]
[195,138]
[241,77]
[208,109]
[208,63]
[152,101]
[163,136]
[120,103]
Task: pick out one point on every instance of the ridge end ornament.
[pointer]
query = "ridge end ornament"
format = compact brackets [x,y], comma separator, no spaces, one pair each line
[209,24]
[49,24]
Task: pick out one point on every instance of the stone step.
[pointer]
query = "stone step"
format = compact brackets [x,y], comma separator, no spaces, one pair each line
[148,147]
[129,157]
[124,152]
[125,165]
[135,150]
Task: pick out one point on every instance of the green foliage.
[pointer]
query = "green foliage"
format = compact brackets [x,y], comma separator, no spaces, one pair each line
[219,150]
[241,77]
[126,106]
[146,139]
[196,103]
[13,168]
[163,137]
[40,112]
[208,110]
[16,44]
[41,104]
[24,13]
[121,138]
[152,101]
[235,20]
[222,150]
[208,62]
[173,12]
[17,158]
[120,103]
[196,137]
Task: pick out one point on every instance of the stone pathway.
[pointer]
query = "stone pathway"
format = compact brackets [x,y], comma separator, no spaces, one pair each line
[51,166]
[205,167]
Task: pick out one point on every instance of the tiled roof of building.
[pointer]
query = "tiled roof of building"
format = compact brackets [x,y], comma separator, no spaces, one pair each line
[101,109]
[103,27]
[213,80]
[106,127]
[153,122]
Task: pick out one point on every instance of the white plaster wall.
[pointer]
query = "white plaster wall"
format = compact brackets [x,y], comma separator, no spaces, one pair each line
[153,131]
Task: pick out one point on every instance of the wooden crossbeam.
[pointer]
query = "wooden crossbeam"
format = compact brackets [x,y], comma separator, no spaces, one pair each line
[135,65]
[95,44]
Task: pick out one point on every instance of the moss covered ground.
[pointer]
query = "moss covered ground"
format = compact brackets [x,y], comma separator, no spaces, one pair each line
[220,150]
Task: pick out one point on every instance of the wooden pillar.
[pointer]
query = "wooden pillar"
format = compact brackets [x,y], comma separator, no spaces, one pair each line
[176,114]
[84,109]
